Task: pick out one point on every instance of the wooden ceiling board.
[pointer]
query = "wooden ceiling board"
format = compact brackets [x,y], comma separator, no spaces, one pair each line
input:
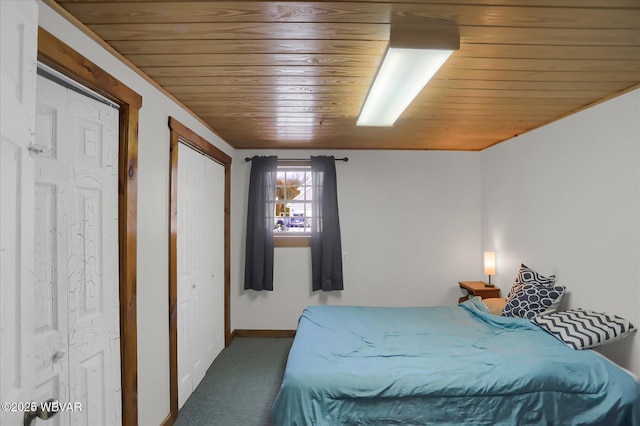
[363,12]
[263,71]
[256,59]
[288,74]
[233,81]
[166,47]
[244,30]
[355,93]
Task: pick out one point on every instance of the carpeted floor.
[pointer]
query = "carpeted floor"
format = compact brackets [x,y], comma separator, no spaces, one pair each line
[240,386]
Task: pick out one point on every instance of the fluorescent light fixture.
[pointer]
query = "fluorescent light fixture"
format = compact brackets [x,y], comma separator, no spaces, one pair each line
[402,76]
[412,59]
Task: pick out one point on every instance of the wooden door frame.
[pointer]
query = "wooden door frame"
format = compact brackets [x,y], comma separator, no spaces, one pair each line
[180,133]
[61,57]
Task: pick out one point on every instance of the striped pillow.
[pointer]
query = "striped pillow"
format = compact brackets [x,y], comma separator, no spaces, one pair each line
[583,329]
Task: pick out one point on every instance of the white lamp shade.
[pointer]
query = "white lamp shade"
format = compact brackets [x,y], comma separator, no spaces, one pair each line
[489,263]
[403,74]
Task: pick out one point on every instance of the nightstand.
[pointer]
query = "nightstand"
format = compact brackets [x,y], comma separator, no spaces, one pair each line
[478,288]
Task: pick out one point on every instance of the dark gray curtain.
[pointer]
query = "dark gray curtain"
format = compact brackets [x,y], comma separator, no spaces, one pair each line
[258,266]
[326,248]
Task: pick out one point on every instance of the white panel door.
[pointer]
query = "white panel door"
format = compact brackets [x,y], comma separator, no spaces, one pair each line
[214,260]
[51,363]
[190,176]
[18,47]
[77,338]
[200,250]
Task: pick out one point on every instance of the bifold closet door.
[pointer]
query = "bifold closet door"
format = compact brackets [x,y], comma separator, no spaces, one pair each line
[213,263]
[200,249]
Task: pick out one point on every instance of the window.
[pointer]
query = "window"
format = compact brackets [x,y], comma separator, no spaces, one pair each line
[292,215]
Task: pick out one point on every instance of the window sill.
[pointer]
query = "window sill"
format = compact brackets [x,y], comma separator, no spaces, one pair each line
[292,240]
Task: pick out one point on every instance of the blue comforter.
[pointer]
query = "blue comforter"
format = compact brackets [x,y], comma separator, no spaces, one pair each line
[444,365]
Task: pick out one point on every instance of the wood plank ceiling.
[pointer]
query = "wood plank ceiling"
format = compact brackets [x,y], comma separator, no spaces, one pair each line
[289,74]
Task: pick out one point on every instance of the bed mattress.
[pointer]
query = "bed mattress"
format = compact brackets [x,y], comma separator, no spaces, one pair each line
[353,365]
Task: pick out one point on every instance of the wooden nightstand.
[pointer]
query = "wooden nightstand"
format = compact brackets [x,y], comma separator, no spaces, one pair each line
[478,288]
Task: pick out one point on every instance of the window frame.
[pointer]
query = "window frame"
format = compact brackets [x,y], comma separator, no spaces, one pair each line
[293,239]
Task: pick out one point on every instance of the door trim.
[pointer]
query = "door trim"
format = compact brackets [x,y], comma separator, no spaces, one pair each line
[61,57]
[180,133]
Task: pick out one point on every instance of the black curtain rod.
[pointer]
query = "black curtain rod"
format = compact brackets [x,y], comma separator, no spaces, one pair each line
[345,159]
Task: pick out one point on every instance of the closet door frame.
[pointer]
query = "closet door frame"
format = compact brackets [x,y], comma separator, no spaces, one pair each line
[181,134]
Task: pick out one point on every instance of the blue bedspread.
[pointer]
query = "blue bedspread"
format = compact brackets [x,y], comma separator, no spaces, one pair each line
[444,365]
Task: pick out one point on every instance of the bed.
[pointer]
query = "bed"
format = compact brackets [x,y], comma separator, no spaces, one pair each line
[444,365]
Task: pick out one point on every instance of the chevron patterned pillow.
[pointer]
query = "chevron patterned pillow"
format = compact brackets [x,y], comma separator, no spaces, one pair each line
[584,329]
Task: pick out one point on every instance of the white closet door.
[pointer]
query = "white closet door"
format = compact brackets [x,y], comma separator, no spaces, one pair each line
[77,337]
[200,250]
[18,49]
[214,176]
[187,270]
[51,309]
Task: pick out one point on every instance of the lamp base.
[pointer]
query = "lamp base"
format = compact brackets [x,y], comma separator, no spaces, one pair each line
[489,284]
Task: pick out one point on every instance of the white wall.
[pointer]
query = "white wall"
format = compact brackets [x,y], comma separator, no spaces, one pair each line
[565,199]
[410,224]
[153,215]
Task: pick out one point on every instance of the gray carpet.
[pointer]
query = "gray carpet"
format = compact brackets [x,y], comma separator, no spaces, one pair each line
[240,385]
